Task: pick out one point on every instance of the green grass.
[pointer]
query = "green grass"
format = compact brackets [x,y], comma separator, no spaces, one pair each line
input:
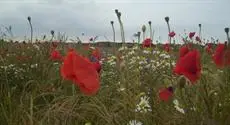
[37,94]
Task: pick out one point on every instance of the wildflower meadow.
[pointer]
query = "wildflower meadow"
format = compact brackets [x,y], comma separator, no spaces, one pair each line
[53,82]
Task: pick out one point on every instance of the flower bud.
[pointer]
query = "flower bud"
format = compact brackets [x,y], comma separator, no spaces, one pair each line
[167,19]
[52,32]
[226,30]
[116,11]
[29,18]
[182,82]
[150,22]
[143,28]
[112,22]
[139,34]
[171,89]
[119,14]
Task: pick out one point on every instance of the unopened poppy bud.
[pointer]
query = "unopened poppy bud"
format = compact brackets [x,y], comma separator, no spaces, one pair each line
[52,32]
[171,89]
[167,19]
[150,22]
[182,82]
[116,11]
[143,28]
[111,22]
[119,14]
[138,33]
[226,30]
[199,25]
[29,18]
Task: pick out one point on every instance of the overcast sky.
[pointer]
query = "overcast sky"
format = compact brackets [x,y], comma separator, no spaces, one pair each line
[93,16]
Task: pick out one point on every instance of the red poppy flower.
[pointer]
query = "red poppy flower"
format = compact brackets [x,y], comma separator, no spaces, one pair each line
[184,50]
[97,66]
[167,47]
[221,56]
[147,43]
[198,39]
[165,94]
[189,66]
[172,34]
[55,55]
[82,72]
[192,34]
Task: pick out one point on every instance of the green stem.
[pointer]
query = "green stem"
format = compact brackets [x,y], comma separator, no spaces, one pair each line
[73,90]
[151,32]
[122,32]
[31,110]
[114,37]
[31,32]
[169,30]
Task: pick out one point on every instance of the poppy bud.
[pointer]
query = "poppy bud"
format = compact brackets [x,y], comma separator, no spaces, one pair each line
[138,33]
[182,82]
[143,28]
[167,19]
[199,25]
[171,89]
[119,15]
[29,18]
[150,22]
[111,22]
[52,32]
[226,30]
[116,11]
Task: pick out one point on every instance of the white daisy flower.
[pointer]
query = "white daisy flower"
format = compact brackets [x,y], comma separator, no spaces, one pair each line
[134,122]
[143,105]
[176,106]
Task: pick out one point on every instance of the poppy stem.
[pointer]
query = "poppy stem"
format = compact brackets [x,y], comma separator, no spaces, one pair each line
[52,35]
[206,101]
[113,29]
[199,30]
[121,26]
[143,36]
[139,38]
[123,33]
[227,34]
[31,29]
[151,31]
[114,37]
[143,31]
[31,109]
[169,30]
[169,38]
[73,90]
